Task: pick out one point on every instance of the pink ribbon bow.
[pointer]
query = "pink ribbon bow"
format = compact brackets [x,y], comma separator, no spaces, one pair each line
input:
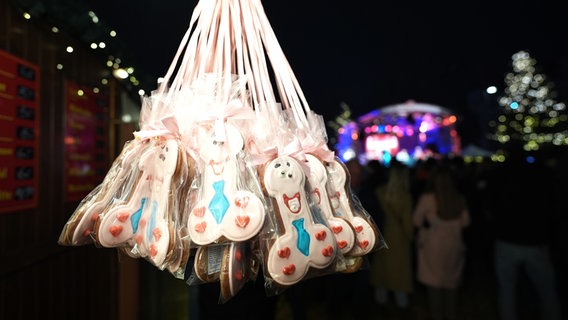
[293,149]
[233,110]
[319,149]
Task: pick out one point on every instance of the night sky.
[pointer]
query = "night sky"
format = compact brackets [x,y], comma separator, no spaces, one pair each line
[371,54]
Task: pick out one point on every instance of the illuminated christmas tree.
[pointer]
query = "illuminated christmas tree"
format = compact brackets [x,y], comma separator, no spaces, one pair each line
[531,117]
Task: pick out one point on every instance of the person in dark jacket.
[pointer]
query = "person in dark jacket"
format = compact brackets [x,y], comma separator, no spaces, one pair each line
[521,212]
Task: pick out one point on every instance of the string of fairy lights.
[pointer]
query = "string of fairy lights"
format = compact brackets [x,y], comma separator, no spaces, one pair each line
[88,27]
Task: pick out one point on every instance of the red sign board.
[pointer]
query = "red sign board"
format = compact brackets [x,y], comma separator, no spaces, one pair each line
[19,133]
[86,140]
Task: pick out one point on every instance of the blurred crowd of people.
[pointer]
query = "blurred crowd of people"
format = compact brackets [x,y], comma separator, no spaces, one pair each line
[443,214]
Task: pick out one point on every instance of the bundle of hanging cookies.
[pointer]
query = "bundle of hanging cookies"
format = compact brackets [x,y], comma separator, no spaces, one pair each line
[229,176]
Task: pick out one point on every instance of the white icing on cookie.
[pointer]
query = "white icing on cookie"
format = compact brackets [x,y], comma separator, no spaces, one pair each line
[143,220]
[342,230]
[302,243]
[223,209]
[338,191]
[120,173]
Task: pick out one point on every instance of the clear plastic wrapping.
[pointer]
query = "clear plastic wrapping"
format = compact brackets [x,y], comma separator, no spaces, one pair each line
[80,227]
[228,176]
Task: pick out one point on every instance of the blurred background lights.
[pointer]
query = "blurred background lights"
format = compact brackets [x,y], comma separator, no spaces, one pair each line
[94,17]
[530,159]
[126,118]
[120,73]
[491,90]
[349,154]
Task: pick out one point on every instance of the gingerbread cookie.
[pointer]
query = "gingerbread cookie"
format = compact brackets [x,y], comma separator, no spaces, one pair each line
[230,263]
[72,225]
[207,263]
[339,190]
[179,196]
[143,220]
[186,198]
[236,269]
[341,228]
[77,231]
[223,210]
[176,263]
[301,243]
